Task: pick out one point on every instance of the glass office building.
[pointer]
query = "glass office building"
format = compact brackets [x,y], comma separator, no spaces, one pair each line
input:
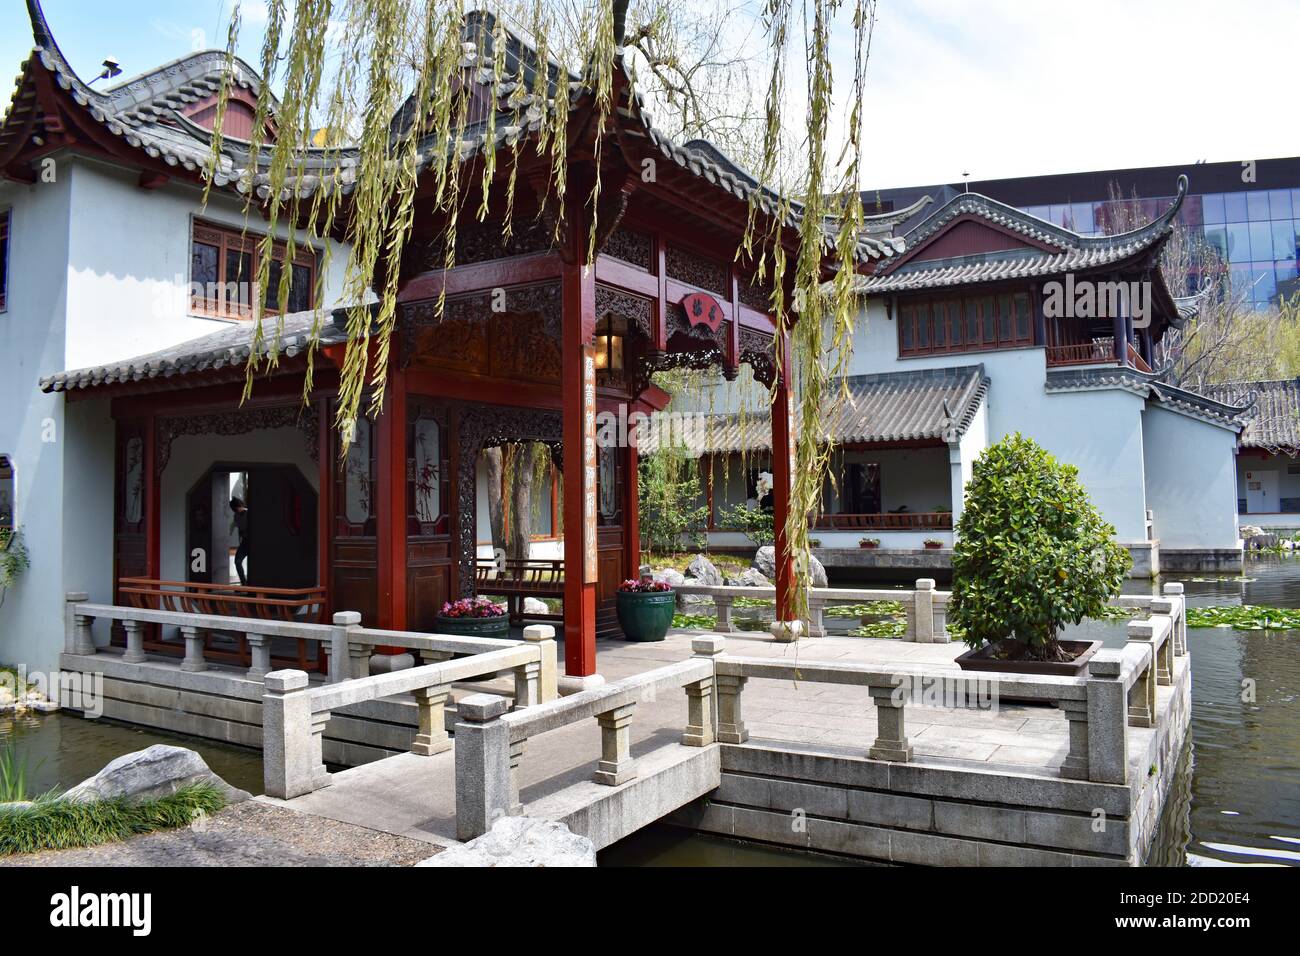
[1254,226]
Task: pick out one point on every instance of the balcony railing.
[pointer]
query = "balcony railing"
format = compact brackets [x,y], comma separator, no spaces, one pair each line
[906,521]
[1096,352]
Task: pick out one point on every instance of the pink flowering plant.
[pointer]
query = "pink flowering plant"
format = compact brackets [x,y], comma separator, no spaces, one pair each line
[473,607]
[644,587]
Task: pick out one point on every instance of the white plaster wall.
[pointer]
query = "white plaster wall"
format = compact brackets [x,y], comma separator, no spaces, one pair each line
[32,345]
[192,455]
[1191,480]
[129,262]
[1099,431]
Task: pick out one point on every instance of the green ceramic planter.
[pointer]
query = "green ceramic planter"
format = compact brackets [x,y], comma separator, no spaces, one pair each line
[646,616]
[474,626]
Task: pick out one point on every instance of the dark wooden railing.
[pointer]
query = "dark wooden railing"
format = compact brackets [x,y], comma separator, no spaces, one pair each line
[305,605]
[906,521]
[1099,352]
[515,579]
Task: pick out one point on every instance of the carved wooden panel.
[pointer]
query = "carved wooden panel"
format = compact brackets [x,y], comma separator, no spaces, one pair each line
[693,269]
[628,245]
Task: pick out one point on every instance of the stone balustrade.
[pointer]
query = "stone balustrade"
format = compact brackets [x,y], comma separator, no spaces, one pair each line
[348,645]
[926,608]
[491,741]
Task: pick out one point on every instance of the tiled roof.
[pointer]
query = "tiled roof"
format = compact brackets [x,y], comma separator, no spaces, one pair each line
[1275,422]
[134,111]
[1224,411]
[1069,251]
[229,347]
[886,407]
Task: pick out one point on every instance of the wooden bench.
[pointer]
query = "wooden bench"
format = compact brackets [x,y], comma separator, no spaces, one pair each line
[307,605]
[515,579]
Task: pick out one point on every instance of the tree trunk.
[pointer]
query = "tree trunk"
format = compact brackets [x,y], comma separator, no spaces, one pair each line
[523,477]
[496,504]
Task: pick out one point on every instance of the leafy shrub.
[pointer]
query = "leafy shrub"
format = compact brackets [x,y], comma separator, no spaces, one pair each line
[668,486]
[756,524]
[1032,553]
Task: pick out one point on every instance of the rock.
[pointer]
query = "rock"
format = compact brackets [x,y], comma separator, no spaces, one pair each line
[534,605]
[786,632]
[150,773]
[817,573]
[703,571]
[520,841]
[669,576]
[1251,530]
[765,564]
[749,578]
[11,805]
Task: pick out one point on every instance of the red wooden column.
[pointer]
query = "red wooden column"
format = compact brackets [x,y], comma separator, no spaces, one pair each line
[152,501]
[631,511]
[326,466]
[578,407]
[782,469]
[390,504]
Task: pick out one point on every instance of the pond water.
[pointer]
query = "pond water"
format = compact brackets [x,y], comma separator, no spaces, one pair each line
[1236,797]
[62,749]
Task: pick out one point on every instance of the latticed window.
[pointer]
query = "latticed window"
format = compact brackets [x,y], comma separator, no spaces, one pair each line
[964,323]
[223,274]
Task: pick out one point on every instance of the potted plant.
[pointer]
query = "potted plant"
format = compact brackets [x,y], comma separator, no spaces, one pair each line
[474,617]
[932,544]
[645,609]
[868,542]
[1032,555]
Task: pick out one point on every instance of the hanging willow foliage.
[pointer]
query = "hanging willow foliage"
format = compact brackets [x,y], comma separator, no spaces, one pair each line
[346,68]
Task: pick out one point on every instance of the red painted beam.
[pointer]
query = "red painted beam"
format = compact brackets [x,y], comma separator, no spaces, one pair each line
[390,504]
[480,276]
[782,472]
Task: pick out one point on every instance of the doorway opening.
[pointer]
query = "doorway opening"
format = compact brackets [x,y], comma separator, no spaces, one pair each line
[278,529]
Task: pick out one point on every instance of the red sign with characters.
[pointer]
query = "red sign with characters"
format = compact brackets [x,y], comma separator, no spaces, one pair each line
[703,309]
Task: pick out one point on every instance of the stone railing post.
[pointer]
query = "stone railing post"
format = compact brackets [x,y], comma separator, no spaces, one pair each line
[516,758]
[922,629]
[194,638]
[1107,720]
[431,737]
[701,710]
[941,621]
[1175,593]
[891,733]
[1142,695]
[816,626]
[72,623]
[543,635]
[1075,766]
[344,623]
[292,758]
[722,605]
[358,659]
[1164,607]
[134,653]
[731,721]
[616,764]
[528,684]
[259,655]
[483,790]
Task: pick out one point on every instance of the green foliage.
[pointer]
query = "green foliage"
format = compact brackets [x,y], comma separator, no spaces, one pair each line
[698,622]
[894,627]
[13,773]
[756,524]
[669,489]
[891,608]
[1245,617]
[14,559]
[1032,553]
[52,823]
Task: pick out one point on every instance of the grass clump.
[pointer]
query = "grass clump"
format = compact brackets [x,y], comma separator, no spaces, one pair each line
[52,823]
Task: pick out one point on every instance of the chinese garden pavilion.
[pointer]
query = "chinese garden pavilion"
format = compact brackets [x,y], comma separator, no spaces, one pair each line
[535,340]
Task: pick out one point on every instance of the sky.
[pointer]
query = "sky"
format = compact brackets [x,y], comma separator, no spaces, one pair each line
[993,88]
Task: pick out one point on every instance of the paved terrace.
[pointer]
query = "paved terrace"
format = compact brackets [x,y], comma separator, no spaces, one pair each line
[414,796]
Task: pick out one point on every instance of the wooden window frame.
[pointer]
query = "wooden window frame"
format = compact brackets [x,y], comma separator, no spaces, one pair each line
[228,239]
[6,217]
[916,314]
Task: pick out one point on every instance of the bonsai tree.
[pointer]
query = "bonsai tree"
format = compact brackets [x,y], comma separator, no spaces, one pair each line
[1032,553]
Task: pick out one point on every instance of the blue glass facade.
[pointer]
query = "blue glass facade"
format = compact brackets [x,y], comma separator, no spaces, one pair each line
[1257,232]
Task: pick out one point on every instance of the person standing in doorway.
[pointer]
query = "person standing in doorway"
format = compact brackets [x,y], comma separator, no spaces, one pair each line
[241,525]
